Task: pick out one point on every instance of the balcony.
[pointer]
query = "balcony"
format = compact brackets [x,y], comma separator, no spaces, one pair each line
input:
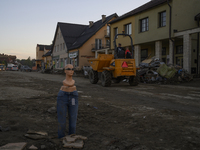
[99,47]
[106,33]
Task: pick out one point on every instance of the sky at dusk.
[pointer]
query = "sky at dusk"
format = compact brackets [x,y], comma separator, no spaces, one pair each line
[26,23]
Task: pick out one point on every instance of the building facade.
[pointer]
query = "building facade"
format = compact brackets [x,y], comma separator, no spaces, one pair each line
[167,29]
[41,58]
[74,43]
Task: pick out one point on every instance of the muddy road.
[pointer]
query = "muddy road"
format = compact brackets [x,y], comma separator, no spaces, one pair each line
[120,117]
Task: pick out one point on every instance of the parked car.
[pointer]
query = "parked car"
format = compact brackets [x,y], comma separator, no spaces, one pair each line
[9,66]
[14,68]
[2,67]
[25,68]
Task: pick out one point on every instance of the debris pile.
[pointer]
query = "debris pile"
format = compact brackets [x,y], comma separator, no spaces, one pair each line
[154,71]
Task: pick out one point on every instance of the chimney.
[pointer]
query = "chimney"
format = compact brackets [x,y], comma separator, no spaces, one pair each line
[91,24]
[103,18]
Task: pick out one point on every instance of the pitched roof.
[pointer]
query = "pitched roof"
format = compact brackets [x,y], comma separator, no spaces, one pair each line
[75,35]
[146,6]
[71,32]
[47,54]
[90,31]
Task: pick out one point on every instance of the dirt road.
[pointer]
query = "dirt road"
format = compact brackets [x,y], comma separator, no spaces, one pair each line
[120,117]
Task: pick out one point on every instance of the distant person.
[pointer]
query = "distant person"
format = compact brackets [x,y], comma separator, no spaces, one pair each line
[128,53]
[120,53]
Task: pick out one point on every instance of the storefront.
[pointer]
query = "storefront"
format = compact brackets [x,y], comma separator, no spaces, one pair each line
[74,58]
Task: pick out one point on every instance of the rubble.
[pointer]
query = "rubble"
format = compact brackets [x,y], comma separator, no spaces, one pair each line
[154,71]
[74,141]
[36,135]
[14,146]
[32,147]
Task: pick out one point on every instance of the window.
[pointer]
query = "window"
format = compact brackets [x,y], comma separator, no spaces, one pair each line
[115,31]
[107,43]
[164,51]
[144,24]
[179,49]
[128,29]
[58,36]
[57,63]
[162,19]
[63,46]
[108,31]
[98,44]
[60,47]
[144,54]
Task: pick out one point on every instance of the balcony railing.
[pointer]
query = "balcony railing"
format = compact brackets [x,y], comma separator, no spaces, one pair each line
[102,46]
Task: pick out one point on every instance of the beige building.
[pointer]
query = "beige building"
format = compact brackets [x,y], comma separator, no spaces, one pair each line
[43,55]
[167,29]
[74,43]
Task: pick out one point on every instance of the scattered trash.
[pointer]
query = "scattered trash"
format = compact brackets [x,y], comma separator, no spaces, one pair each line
[14,146]
[32,147]
[76,144]
[84,96]
[4,129]
[36,135]
[74,141]
[95,107]
[52,110]
[154,71]
[37,132]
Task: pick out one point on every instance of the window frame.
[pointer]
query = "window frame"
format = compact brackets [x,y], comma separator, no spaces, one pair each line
[128,28]
[98,44]
[146,23]
[164,51]
[162,19]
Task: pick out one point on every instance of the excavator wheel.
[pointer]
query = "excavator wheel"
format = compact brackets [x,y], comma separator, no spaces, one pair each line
[106,78]
[93,76]
[134,80]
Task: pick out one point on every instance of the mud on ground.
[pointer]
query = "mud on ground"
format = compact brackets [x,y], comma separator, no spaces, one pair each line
[116,118]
